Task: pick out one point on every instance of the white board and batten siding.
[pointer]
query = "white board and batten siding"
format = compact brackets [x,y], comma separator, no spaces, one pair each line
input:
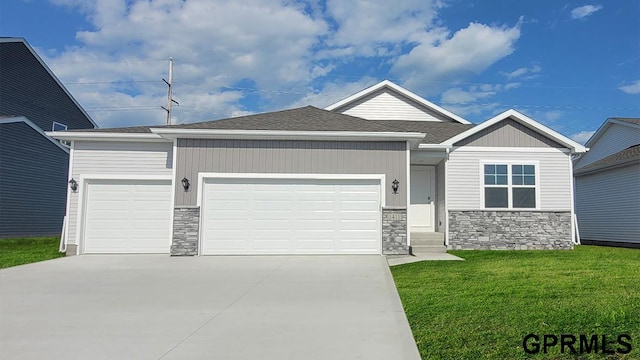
[144,159]
[608,204]
[616,138]
[465,177]
[385,104]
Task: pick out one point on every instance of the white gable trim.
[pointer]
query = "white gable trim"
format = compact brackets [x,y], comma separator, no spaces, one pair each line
[404,92]
[524,120]
[34,127]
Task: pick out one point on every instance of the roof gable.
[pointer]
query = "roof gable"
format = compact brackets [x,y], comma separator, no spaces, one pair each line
[25,76]
[631,122]
[388,101]
[522,120]
[509,133]
[624,157]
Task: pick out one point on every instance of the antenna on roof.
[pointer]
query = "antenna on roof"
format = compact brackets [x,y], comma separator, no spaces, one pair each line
[170,99]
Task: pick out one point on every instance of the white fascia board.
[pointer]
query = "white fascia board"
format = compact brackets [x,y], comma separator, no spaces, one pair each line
[101,136]
[386,83]
[412,137]
[34,127]
[524,120]
[442,147]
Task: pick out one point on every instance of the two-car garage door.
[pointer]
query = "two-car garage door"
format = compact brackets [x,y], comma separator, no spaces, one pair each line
[290,216]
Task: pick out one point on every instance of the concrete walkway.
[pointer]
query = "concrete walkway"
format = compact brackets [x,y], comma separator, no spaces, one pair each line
[161,307]
[406,259]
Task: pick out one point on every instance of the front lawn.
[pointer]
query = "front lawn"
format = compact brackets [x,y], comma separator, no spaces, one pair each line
[483,307]
[27,250]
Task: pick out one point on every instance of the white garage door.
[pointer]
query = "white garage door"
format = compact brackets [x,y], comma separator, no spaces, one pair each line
[291,216]
[127,216]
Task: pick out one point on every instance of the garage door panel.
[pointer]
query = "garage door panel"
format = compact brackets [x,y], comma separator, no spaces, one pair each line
[290,216]
[127,216]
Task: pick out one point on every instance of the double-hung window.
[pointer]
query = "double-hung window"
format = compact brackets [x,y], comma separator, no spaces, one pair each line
[509,186]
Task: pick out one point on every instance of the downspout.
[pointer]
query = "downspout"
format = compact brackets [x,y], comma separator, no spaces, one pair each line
[446,198]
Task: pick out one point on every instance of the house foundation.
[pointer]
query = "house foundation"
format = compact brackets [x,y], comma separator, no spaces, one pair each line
[510,230]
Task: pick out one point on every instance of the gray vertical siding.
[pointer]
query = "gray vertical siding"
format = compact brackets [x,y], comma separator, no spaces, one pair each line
[33,182]
[282,156]
[508,133]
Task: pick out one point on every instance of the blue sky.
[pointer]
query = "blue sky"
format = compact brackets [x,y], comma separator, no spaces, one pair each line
[569,65]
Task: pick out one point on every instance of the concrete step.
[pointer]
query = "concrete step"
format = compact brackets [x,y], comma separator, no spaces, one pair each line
[427,239]
[428,249]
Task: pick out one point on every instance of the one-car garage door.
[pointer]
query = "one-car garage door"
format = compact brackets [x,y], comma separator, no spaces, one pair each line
[127,216]
[291,216]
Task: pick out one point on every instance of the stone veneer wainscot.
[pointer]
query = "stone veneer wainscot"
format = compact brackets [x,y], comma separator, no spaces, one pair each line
[394,231]
[510,230]
[186,223]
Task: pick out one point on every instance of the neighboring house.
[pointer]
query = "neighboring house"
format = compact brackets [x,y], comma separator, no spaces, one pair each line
[379,172]
[607,181]
[33,166]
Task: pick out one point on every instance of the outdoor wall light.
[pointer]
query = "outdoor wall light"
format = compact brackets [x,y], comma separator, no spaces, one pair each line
[73,185]
[394,186]
[185,184]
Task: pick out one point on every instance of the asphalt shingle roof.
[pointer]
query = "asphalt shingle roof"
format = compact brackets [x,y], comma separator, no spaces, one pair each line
[627,155]
[629,120]
[310,118]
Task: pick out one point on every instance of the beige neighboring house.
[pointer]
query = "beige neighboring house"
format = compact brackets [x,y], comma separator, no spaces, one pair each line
[383,171]
[607,182]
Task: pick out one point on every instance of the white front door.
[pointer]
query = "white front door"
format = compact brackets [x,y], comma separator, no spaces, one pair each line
[423,191]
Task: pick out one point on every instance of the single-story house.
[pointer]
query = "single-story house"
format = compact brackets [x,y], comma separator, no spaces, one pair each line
[33,166]
[370,174]
[607,181]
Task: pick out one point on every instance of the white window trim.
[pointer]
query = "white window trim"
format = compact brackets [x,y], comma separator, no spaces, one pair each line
[53,126]
[509,185]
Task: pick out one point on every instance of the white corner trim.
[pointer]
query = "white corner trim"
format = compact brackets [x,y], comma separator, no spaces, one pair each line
[69,177]
[408,192]
[572,181]
[174,155]
[36,128]
[524,120]
[388,84]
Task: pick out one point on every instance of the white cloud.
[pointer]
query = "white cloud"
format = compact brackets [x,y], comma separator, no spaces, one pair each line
[633,88]
[584,11]
[232,58]
[520,72]
[468,51]
[369,26]
[582,136]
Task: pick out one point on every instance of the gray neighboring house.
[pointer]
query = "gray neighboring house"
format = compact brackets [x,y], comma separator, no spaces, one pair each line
[33,166]
[607,182]
[383,171]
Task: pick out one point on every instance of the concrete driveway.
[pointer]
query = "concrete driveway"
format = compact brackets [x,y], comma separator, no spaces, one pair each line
[161,307]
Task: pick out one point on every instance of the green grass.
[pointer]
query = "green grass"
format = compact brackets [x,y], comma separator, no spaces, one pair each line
[481,308]
[28,250]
